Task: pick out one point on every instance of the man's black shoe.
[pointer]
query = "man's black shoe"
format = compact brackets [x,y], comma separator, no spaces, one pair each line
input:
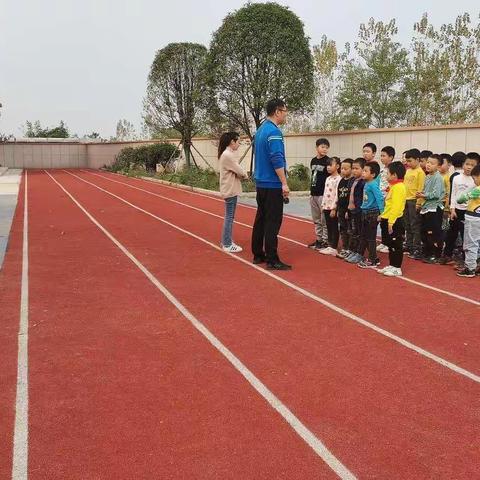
[258,260]
[278,265]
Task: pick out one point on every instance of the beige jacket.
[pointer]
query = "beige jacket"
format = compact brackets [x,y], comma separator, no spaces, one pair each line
[231,174]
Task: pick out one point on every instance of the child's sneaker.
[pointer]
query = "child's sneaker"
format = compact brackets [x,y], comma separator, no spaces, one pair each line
[466,273]
[315,245]
[368,264]
[355,258]
[430,260]
[351,255]
[416,256]
[343,253]
[445,260]
[232,248]
[393,272]
[384,269]
[382,248]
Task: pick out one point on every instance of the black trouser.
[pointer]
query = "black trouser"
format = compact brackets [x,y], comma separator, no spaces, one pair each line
[456,226]
[432,233]
[332,229]
[343,227]
[368,234]
[267,223]
[394,241]
[354,227]
[412,226]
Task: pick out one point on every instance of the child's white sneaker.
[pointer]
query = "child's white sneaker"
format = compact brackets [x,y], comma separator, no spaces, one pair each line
[393,272]
[382,248]
[233,248]
[385,269]
[328,251]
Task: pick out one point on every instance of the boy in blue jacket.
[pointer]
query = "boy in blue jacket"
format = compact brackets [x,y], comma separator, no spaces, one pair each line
[372,206]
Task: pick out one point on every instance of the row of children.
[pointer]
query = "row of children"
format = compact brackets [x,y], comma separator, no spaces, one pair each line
[434,198]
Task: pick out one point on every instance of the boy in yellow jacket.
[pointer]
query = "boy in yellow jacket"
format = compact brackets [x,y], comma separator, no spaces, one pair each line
[391,220]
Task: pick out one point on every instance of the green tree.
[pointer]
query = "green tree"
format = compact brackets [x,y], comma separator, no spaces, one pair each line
[35,130]
[444,86]
[259,52]
[176,92]
[372,91]
[125,131]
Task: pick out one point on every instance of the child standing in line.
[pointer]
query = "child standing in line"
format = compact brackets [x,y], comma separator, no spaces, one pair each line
[343,197]
[462,183]
[393,228]
[387,155]
[424,156]
[231,174]
[445,172]
[354,210]
[319,175]
[369,151]
[414,182]
[372,207]
[471,239]
[431,211]
[329,205]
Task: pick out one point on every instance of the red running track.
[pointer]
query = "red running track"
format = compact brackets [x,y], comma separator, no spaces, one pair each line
[122,386]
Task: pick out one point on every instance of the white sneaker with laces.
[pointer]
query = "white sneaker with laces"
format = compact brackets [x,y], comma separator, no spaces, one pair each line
[382,248]
[325,251]
[393,272]
[385,269]
[233,248]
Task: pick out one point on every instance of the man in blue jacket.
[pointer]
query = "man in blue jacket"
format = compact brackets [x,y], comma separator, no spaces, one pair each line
[272,189]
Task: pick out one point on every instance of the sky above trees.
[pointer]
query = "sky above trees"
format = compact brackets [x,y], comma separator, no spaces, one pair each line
[87,63]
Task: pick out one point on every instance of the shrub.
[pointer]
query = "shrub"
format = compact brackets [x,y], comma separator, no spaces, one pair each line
[144,157]
[299,171]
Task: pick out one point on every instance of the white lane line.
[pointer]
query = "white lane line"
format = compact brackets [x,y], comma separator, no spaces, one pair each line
[307,435]
[441,361]
[287,239]
[20,435]
[211,197]
[201,210]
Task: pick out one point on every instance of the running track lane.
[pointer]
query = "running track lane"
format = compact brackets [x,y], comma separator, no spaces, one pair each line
[301,230]
[454,337]
[10,278]
[121,385]
[385,411]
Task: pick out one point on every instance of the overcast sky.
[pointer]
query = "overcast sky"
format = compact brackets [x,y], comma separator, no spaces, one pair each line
[86,62]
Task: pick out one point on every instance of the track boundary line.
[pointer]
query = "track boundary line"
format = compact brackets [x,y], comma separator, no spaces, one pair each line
[411,346]
[307,435]
[291,240]
[20,434]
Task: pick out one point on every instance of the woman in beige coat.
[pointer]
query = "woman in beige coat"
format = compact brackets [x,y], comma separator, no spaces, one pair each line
[231,174]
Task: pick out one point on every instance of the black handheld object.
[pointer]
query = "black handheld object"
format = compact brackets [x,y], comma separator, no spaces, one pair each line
[286,200]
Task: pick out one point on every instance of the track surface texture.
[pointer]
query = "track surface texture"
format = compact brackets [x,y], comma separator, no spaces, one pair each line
[149,353]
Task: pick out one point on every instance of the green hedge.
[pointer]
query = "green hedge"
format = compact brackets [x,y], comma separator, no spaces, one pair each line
[145,157]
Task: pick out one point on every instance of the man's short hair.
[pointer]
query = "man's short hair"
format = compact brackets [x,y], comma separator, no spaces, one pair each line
[398,169]
[390,151]
[322,141]
[425,154]
[372,146]
[273,105]
[413,153]
[374,168]
[458,159]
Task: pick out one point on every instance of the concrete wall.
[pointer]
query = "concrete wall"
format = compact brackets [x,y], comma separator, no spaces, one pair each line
[300,148]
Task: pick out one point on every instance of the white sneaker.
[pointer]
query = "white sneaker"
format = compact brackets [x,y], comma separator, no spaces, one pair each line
[333,251]
[382,248]
[385,269]
[325,251]
[232,248]
[393,272]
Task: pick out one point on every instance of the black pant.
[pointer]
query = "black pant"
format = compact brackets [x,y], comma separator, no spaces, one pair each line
[354,228]
[394,241]
[455,227]
[432,233]
[368,234]
[332,229]
[267,223]
[343,227]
